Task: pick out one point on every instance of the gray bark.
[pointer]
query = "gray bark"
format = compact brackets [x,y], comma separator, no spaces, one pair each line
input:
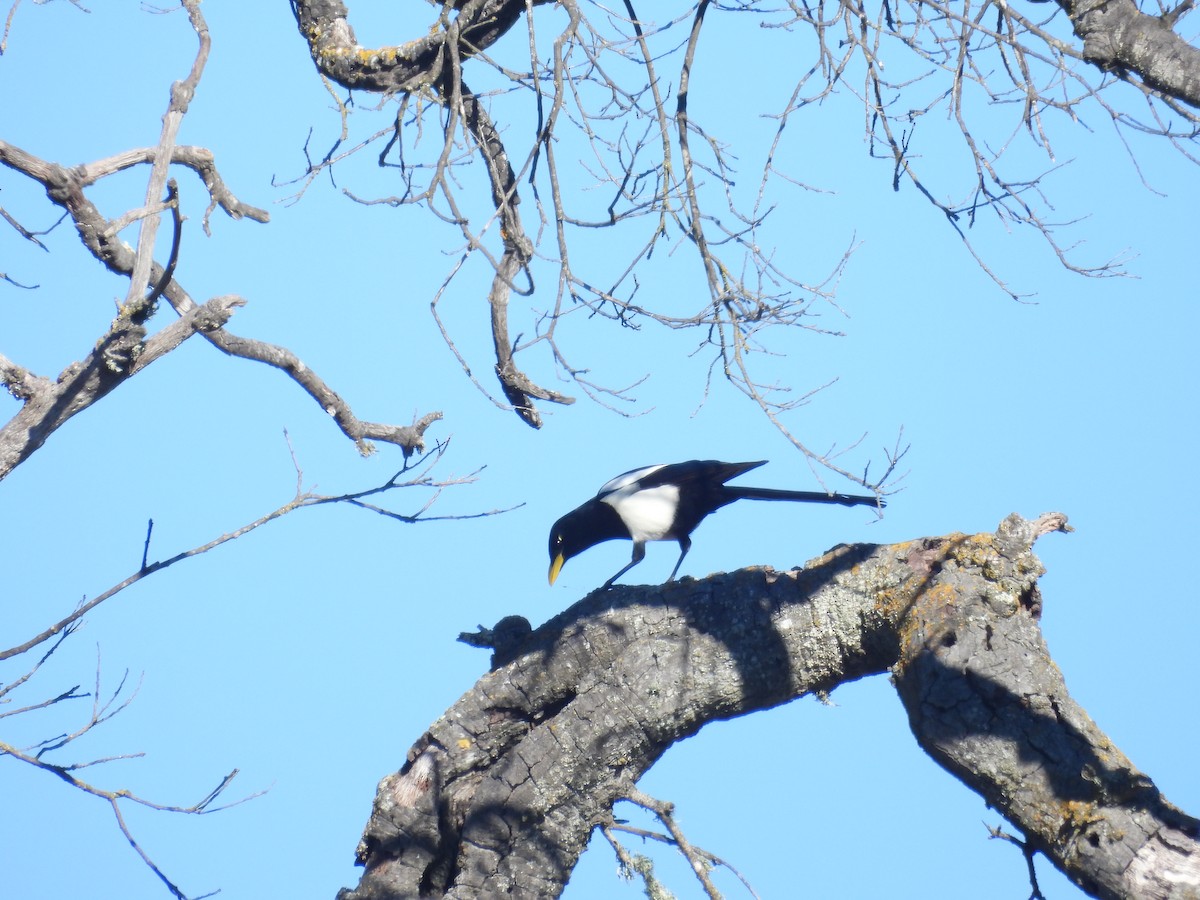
[1121,39]
[500,796]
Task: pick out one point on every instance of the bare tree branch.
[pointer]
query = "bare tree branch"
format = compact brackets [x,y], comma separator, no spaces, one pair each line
[698,861]
[734,318]
[704,856]
[987,55]
[124,350]
[115,798]
[597,694]
[1026,851]
[199,159]
[102,710]
[417,470]
[181,96]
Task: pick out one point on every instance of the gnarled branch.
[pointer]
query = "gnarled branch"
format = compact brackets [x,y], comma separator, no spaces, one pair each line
[1120,38]
[501,794]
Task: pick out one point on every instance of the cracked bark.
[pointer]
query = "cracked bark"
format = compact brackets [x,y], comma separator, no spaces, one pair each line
[500,796]
[1120,38]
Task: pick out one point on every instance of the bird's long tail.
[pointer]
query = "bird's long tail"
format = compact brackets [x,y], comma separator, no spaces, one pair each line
[753,493]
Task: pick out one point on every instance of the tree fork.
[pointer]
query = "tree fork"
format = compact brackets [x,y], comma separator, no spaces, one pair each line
[502,793]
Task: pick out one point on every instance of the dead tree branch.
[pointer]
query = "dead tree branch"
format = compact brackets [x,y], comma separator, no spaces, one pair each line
[416,473]
[127,347]
[916,67]
[699,861]
[103,710]
[954,619]
[631,866]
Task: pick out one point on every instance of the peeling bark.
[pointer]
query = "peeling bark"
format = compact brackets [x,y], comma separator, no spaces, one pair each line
[500,796]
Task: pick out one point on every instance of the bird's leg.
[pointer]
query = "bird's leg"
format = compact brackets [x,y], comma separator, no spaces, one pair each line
[685,544]
[639,553]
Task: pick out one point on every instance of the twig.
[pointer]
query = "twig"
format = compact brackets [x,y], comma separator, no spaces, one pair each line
[707,859]
[114,799]
[102,710]
[1026,850]
[17,682]
[301,500]
[171,201]
[181,96]
[699,861]
[146,545]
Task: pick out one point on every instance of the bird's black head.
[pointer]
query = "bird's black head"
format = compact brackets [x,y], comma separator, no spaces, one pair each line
[581,528]
[565,542]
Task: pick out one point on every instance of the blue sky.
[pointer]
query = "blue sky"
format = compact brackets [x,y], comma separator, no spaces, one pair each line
[310,654]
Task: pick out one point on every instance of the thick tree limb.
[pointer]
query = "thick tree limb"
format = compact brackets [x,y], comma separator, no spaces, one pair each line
[407,67]
[1120,38]
[987,702]
[500,795]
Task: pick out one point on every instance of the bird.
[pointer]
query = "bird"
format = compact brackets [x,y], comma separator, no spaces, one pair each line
[665,503]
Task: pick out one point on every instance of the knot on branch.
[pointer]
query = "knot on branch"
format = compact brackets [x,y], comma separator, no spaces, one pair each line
[120,349]
[506,639]
[409,438]
[1016,535]
[215,313]
[181,96]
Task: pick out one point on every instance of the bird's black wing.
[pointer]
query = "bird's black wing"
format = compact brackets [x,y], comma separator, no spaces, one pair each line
[633,479]
[704,473]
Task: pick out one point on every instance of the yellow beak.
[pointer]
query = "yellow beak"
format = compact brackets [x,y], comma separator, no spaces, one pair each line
[556,567]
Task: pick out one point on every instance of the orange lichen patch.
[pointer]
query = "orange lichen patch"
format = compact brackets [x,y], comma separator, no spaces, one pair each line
[927,621]
[891,603]
[336,52]
[924,559]
[936,600]
[1076,816]
[978,550]
[938,597]
[385,56]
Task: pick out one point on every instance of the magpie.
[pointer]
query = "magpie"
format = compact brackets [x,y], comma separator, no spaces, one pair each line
[665,503]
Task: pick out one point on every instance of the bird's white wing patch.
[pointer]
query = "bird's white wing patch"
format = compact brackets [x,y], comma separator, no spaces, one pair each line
[648,513]
[625,480]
